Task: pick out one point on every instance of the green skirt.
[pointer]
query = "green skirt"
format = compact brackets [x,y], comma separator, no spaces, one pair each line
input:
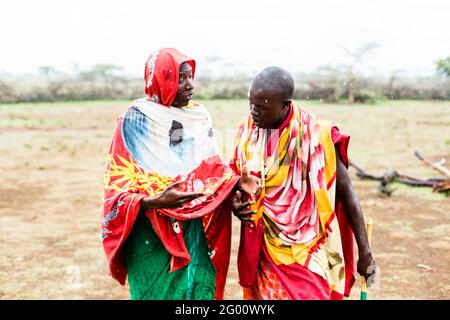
[148,264]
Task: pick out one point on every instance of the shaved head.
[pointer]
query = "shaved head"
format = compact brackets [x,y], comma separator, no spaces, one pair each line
[270,97]
[275,80]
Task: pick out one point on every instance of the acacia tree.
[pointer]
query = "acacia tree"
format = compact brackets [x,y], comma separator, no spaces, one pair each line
[101,72]
[393,77]
[47,71]
[443,66]
[356,58]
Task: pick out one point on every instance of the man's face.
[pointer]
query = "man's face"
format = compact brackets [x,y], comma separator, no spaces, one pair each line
[185,86]
[267,109]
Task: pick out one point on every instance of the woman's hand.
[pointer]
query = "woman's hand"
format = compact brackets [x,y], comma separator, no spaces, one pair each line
[238,207]
[248,183]
[170,198]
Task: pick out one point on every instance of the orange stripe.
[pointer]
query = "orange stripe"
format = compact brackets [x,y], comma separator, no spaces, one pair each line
[330,183]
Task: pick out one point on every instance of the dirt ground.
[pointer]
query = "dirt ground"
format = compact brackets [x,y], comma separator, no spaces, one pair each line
[52,162]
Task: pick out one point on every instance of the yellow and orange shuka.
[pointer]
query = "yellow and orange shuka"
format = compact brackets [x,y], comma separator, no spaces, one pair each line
[301,246]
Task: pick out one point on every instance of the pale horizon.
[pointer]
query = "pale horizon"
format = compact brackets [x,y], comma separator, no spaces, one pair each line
[242,35]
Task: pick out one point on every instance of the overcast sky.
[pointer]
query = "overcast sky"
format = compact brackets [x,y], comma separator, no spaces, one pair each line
[297,35]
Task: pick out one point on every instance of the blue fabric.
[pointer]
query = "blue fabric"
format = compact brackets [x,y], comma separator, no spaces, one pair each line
[138,140]
[136,136]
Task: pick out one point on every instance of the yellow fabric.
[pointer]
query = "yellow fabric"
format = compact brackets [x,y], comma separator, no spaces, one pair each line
[325,259]
[328,147]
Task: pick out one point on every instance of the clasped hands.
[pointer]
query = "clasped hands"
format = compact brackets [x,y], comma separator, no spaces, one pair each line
[250,185]
[170,197]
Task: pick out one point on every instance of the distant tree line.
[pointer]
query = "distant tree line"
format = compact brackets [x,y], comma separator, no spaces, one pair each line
[328,83]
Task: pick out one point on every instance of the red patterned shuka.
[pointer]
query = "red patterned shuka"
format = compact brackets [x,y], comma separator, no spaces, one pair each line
[143,161]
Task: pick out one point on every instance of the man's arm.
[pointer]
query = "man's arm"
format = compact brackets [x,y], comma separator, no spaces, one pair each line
[354,215]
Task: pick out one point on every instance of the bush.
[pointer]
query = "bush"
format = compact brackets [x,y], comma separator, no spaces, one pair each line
[326,87]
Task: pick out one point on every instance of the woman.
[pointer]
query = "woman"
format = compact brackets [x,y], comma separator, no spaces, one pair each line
[167,219]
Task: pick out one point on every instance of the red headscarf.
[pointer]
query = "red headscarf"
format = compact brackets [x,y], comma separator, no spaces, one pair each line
[161,74]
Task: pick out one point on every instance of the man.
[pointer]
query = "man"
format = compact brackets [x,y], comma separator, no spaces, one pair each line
[297,235]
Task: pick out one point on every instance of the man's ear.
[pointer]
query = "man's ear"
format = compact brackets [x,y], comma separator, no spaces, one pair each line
[287,102]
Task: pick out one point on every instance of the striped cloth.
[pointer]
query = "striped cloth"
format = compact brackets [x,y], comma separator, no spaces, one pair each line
[296,224]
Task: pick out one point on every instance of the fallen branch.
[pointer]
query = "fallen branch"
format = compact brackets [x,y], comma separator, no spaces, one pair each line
[442,187]
[438,185]
[438,166]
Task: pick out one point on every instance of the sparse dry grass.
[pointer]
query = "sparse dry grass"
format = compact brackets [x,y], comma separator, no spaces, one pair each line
[50,195]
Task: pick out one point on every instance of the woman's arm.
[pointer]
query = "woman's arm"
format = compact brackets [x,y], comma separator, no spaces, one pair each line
[169,198]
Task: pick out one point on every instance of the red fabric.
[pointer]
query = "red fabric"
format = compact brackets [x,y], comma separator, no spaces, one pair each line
[275,136]
[216,214]
[286,282]
[342,141]
[118,219]
[121,208]
[248,253]
[297,280]
[161,78]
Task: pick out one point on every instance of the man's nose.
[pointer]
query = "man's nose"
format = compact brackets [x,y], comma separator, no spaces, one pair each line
[253,110]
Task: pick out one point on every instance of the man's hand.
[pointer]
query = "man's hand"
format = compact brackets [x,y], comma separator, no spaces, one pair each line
[366,267]
[248,183]
[238,207]
[170,197]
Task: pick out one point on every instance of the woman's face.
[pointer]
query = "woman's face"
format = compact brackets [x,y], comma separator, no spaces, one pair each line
[185,86]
